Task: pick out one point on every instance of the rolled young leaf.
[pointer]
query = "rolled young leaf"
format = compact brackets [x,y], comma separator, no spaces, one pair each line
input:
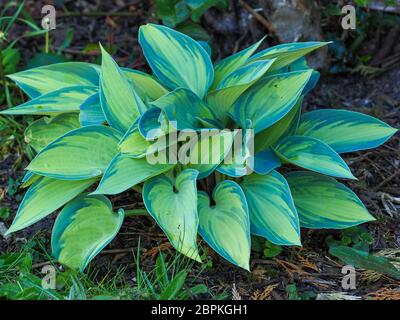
[269,100]
[272,212]
[45,196]
[225,226]
[82,229]
[153,123]
[60,101]
[79,154]
[322,202]
[39,81]
[345,131]
[173,204]
[120,102]
[312,154]
[176,59]
[43,131]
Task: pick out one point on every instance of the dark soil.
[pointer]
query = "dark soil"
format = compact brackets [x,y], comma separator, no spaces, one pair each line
[310,268]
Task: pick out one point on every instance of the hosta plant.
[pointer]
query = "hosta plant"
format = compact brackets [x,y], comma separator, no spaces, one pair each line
[101,130]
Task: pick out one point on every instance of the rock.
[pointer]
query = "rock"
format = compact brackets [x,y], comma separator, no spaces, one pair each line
[297,20]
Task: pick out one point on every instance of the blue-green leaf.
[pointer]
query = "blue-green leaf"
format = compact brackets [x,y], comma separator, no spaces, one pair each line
[345,131]
[91,112]
[120,103]
[82,229]
[153,124]
[79,154]
[313,154]
[173,204]
[184,109]
[45,196]
[60,101]
[39,81]
[225,226]
[176,59]
[269,100]
[322,202]
[272,211]
[124,172]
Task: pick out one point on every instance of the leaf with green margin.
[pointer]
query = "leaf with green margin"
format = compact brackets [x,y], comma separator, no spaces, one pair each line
[324,203]
[229,90]
[345,131]
[60,101]
[173,204]
[272,211]
[124,172]
[313,154]
[287,53]
[146,86]
[269,100]
[119,101]
[43,131]
[287,126]
[226,66]
[39,81]
[184,109]
[82,229]
[91,112]
[226,226]
[200,153]
[176,59]
[79,154]
[45,196]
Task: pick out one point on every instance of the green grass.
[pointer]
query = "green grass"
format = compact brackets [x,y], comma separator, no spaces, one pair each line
[21,278]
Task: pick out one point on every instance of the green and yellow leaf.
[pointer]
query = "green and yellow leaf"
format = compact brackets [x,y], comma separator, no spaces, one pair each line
[273,214]
[225,225]
[345,131]
[82,229]
[79,154]
[312,154]
[322,202]
[44,197]
[173,204]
